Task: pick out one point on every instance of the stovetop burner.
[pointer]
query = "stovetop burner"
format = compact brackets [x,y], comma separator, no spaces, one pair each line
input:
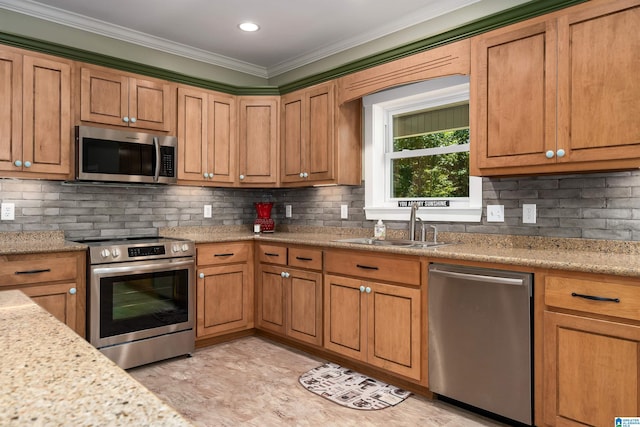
[134,248]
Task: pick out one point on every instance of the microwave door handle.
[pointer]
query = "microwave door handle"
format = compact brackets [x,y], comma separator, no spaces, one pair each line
[156,145]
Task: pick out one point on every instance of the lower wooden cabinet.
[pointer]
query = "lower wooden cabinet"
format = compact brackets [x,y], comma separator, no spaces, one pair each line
[224,288]
[591,350]
[55,281]
[290,299]
[373,322]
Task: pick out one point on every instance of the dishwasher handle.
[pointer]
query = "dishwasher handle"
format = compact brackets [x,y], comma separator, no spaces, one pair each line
[480,278]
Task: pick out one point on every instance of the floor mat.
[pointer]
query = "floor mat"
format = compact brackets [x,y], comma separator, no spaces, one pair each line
[351,389]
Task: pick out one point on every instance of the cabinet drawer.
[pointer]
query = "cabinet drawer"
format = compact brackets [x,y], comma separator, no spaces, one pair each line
[22,272]
[392,269]
[559,292]
[222,253]
[271,254]
[305,258]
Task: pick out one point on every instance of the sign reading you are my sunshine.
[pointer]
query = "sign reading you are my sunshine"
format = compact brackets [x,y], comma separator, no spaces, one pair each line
[424,203]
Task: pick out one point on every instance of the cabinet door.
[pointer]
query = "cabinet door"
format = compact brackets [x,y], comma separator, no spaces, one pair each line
[598,62]
[345,328]
[104,97]
[514,95]
[222,142]
[47,132]
[10,110]
[319,150]
[271,299]
[223,299]
[192,135]
[149,104]
[304,310]
[591,370]
[60,300]
[293,137]
[258,140]
[394,329]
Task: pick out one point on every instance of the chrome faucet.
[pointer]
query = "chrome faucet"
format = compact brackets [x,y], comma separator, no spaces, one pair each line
[412,221]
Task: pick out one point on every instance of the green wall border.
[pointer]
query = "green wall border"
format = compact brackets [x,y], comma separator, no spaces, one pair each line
[501,19]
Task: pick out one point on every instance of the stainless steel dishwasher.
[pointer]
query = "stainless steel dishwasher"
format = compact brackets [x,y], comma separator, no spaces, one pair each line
[480,338]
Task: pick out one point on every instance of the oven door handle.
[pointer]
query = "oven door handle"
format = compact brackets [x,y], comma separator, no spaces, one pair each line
[156,145]
[163,265]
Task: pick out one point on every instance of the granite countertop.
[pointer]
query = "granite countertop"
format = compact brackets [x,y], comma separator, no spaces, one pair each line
[585,255]
[51,376]
[37,242]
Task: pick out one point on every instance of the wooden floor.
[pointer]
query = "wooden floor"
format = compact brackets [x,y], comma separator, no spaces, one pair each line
[254,382]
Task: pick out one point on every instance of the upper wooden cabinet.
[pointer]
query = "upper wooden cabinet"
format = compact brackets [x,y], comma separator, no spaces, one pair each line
[36,131]
[258,141]
[207,142]
[312,133]
[558,93]
[113,98]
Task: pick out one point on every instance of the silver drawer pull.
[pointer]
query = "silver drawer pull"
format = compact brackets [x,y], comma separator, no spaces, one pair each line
[45,270]
[595,298]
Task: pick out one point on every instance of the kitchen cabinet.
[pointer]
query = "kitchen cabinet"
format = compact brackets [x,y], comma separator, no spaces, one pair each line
[317,140]
[207,141]
[575,73]
[121,99]
[289,290]
[373,311]
[36,132]
[258,141]
[224,288]
[591,349]
[55,281]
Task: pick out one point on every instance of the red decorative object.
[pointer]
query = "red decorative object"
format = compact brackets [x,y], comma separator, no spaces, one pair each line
[264,216]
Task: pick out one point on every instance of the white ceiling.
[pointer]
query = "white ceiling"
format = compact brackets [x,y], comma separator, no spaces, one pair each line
[293,33]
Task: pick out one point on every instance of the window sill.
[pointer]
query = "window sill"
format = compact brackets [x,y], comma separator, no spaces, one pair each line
[461,214]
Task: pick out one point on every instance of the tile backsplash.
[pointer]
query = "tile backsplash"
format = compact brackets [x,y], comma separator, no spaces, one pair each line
[596,206]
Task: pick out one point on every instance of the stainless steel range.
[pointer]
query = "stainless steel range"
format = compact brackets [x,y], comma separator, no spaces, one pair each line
[141,298]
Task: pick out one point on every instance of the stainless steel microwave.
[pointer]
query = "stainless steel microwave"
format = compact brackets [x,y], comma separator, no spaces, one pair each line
[122,156]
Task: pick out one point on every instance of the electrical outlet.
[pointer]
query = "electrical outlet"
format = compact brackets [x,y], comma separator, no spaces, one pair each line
[344,211]
[495,213]
[528,213]
[287,211]
[207,211]
[8,211]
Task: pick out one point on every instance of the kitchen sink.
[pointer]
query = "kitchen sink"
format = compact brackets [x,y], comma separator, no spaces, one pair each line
[393,242]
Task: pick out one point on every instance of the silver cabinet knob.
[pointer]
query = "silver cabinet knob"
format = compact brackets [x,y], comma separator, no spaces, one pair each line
[241,176]
[206,175]
[201,275]
[27,164]
[283,274]
[73,291]
[287,275]
[18,163]
[301,174]
[549,154]
[133,119]
[368,290]
[560,153]
[362,288]
[305,175]
[210,174]
[125,119]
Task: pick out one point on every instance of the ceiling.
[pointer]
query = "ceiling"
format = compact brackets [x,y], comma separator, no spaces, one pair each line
[292,33]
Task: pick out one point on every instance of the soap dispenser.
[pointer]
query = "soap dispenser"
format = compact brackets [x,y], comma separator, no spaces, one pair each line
[380,230]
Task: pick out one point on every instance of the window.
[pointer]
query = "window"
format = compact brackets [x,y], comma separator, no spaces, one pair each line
[417,149]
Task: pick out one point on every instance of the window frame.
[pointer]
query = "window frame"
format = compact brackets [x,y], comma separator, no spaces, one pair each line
[379,109]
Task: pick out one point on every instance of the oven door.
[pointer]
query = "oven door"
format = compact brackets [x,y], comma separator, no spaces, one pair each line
[137,300]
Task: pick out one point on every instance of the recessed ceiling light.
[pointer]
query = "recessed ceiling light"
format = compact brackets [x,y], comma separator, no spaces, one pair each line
[249,27]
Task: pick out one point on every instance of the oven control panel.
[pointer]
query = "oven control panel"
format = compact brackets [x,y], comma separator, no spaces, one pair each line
[138,251]
[109,253]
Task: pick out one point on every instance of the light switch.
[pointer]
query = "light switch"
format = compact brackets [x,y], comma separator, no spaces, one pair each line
[528,213]
[287,211]
[207,211]
[344,211]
